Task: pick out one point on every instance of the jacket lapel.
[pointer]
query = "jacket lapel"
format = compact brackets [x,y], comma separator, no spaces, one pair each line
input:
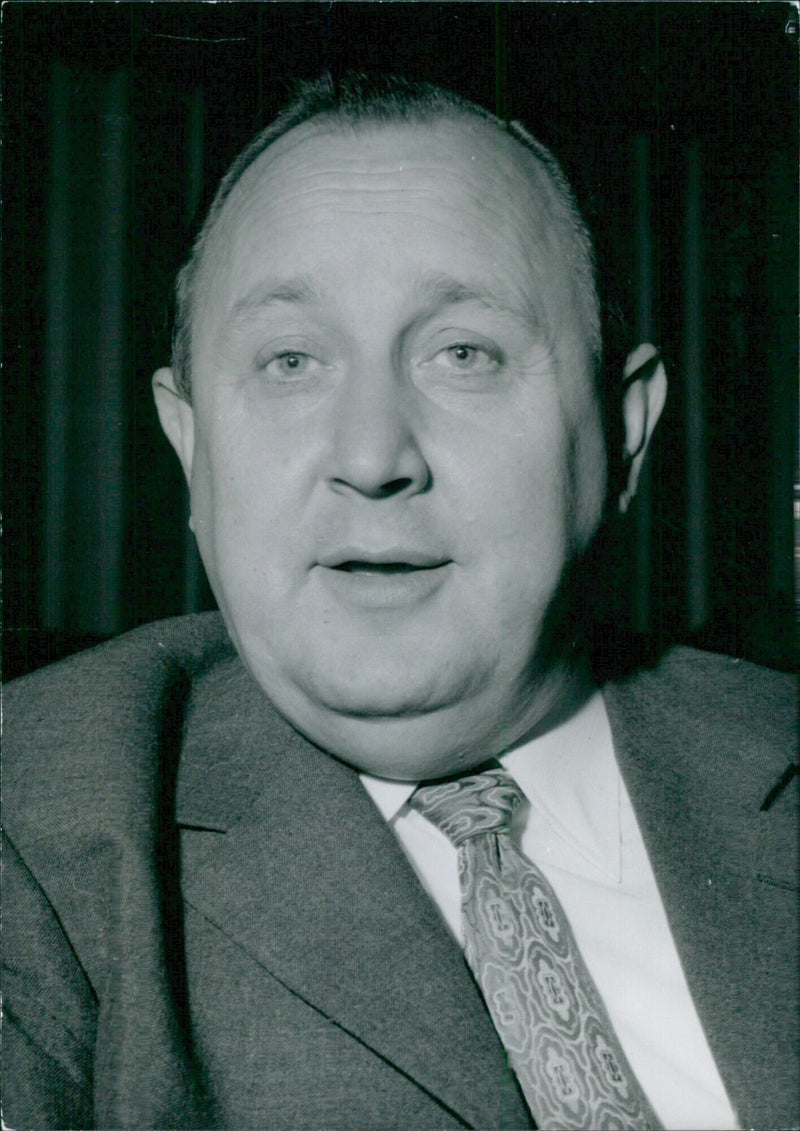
[311,883]
[696,790]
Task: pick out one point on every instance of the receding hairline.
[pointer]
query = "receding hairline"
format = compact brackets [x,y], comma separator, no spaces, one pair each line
[426,106]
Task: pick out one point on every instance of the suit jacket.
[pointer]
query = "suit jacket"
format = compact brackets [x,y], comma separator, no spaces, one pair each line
[209,925]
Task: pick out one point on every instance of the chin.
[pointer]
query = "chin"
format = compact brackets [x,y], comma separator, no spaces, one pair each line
[415,736]
[385,692]
[401,748]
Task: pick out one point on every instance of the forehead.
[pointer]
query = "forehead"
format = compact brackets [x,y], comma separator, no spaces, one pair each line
[450,147]
[456,195]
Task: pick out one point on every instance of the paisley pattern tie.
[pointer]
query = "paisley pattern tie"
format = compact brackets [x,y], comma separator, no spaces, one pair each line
[519,946]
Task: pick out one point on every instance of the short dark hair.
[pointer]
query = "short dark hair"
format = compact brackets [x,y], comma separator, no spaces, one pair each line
[358,99]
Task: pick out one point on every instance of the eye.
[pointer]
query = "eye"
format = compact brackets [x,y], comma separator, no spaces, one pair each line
[462,356]
[467,357]
[288,365]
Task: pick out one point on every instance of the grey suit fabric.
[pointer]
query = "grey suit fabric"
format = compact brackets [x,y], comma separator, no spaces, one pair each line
[208,924]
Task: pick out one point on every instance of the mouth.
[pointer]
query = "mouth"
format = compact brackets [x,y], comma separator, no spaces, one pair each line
[394,578]
[388,569]
[392,560]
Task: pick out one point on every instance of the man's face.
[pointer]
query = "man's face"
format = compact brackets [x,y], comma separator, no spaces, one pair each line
[397,447]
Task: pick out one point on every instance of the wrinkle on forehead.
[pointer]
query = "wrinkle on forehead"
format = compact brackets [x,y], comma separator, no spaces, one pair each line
[480,187]
[350,170]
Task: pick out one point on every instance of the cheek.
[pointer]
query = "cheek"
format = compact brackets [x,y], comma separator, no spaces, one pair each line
[515,505]
[232,501]
[585,457]
[250,493]
[203,496]
[588,474]
[589,492]
[527,462]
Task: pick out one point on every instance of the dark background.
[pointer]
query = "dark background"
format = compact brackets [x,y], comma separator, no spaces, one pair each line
[677,123]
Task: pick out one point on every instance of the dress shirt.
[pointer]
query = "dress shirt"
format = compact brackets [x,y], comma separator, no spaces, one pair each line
[580,829]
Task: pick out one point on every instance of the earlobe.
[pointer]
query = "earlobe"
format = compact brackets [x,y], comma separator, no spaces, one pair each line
[642,404]
[176,417]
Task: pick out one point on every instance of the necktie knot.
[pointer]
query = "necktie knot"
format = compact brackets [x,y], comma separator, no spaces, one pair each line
[468,806]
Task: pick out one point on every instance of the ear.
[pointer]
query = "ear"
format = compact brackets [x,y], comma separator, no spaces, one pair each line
[643,399]
[176,416]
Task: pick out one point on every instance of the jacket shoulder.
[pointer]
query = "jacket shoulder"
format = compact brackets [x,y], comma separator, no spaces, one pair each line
[714,737]
[750,705]
[94,719]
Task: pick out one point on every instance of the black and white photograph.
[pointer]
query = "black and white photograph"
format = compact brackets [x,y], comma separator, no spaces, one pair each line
[401,514]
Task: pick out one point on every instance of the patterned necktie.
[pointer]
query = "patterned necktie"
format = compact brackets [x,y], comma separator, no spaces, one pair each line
[519,946]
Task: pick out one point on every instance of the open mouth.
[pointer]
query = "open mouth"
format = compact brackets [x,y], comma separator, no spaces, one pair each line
[387,568]
[391,578]
[388,560]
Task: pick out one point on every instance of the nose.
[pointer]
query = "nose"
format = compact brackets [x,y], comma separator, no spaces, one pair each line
[376,451]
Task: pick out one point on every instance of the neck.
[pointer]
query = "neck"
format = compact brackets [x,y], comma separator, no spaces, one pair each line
[575,688]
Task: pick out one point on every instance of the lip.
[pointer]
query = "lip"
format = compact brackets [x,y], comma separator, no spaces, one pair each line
[395,578]
[346,558]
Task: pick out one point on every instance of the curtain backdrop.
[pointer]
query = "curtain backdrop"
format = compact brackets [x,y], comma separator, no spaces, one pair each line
[677,123]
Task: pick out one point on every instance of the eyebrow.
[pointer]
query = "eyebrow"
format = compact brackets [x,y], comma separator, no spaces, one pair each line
[443,290]
[299,290]
[433,288]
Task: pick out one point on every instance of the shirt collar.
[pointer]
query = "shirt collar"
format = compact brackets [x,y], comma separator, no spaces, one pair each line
[570,777]
[389,796]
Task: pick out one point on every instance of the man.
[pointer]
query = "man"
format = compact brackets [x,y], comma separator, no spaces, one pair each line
[228,907]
